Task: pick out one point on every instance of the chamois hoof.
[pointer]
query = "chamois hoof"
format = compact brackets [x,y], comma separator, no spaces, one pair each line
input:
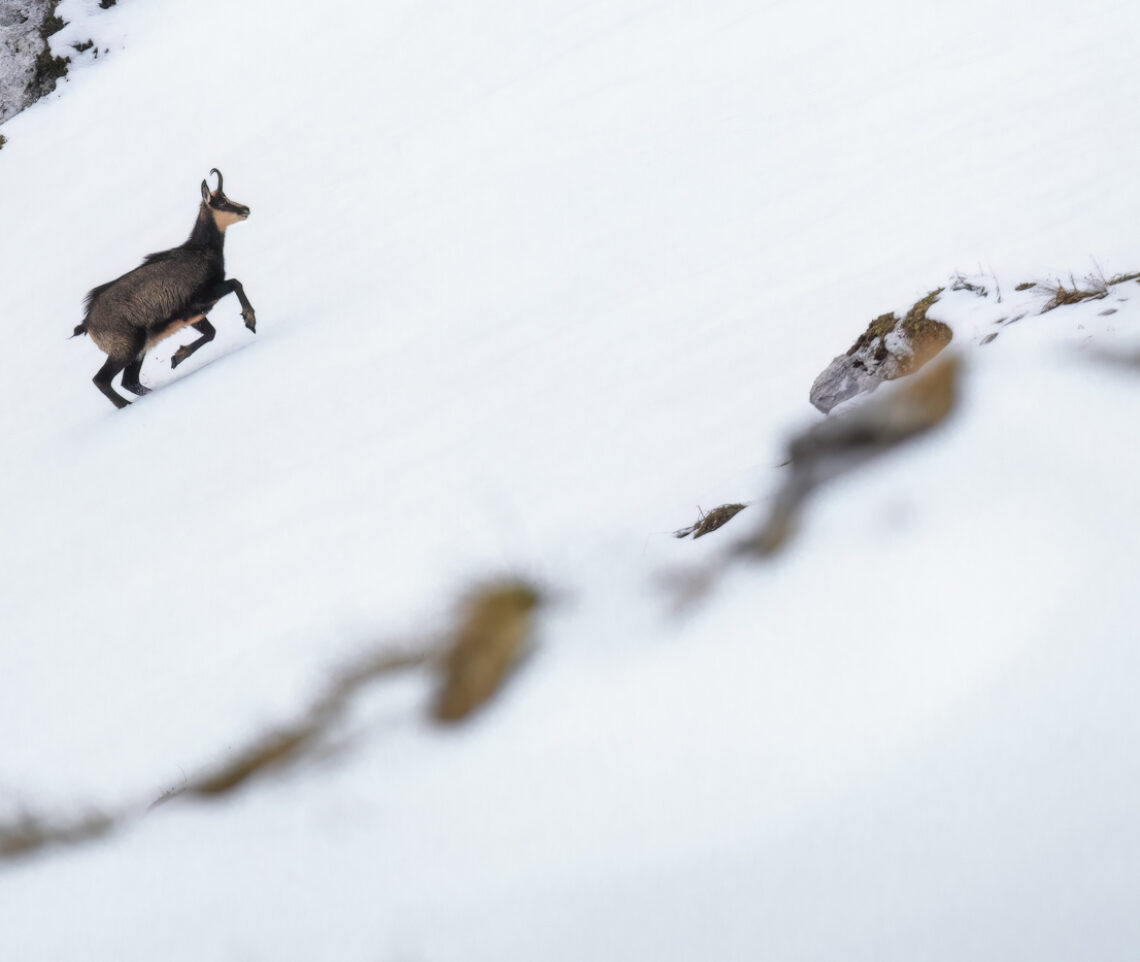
[178,358]
[136,389]
[250,320]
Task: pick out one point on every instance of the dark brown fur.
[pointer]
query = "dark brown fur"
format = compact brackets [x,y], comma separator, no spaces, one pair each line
[171,290]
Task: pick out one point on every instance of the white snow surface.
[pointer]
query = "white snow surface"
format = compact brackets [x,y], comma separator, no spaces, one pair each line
[534,281]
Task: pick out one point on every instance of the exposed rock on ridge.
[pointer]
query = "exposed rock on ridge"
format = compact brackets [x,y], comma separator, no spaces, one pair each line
[28,70]
[890,348]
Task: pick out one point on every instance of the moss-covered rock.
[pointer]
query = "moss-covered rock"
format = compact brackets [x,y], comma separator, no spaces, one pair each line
[889,348]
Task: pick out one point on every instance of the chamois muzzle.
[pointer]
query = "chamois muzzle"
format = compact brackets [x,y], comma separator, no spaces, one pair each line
[218,200]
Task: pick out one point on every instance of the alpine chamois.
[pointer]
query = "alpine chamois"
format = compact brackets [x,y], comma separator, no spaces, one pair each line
[171,290]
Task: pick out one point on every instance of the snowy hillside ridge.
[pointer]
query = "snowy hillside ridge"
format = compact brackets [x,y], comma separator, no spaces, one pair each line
[471,664]
[41,40]
[895,346]
[536,283]
[492,634]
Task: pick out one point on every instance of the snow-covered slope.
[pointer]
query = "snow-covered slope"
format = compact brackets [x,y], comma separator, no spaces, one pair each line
[533,282]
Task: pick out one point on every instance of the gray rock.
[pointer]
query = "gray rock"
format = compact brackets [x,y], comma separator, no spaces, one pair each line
[843,378]
[27,68]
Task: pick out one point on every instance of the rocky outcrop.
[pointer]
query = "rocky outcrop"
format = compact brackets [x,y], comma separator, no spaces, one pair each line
[890,348]
[28,69]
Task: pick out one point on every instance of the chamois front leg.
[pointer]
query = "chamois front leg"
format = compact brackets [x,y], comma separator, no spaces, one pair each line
[203,327]
[233,285]
[247,314]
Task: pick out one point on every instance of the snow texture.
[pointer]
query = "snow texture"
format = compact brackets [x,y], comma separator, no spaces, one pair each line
[534,282]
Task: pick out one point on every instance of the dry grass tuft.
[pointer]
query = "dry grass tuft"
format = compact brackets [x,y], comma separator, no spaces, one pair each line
[710,521]
[1095,287]
[1092,287]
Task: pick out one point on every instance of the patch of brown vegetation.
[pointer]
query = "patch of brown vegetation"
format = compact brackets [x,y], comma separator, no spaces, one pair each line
[714,519]
[488,644]
[1096,287]
[473,662]
[879,328]
[307,737]
[830,449]
[925,337]
[1092,287]
[28,833]
[837,445]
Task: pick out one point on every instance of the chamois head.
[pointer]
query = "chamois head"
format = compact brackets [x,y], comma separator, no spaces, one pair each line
[223,210]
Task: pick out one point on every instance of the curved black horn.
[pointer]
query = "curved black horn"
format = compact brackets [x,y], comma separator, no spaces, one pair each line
[214,170]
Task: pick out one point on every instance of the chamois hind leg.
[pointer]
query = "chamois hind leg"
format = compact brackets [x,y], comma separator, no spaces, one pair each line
[126,351]
[206,329]
[131,380]
[103,378]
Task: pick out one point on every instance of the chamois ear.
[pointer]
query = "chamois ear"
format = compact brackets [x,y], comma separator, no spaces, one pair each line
[205,192]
